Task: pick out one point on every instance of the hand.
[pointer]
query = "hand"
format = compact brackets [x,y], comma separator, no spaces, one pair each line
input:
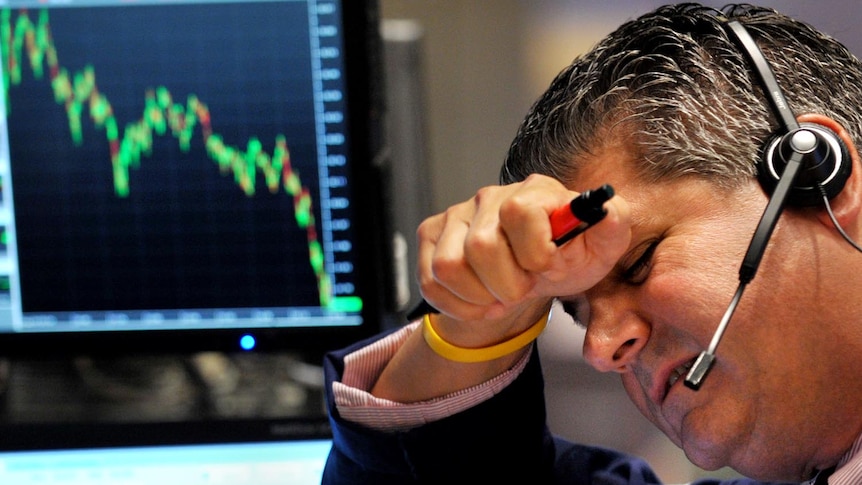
[492,257]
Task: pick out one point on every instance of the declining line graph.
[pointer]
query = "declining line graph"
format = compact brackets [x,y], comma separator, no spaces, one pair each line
[79,94]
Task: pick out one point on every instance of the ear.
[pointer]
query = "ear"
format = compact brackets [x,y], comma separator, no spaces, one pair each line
[847,205]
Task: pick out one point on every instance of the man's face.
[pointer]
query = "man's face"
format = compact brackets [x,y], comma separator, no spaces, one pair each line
[652,316]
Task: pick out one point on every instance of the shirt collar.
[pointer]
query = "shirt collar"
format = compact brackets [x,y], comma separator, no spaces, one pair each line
[849,468]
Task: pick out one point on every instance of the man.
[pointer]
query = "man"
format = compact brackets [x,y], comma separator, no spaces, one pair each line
[670,112]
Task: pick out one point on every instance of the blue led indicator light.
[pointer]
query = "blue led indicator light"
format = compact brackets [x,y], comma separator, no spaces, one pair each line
[247,342]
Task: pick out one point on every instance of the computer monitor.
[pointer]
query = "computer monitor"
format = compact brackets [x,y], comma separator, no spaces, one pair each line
[295,462]
[181,175]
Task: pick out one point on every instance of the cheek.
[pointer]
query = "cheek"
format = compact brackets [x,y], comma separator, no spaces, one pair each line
[649,410]
[637,396]
[683,303]
[634,390]
[693,283]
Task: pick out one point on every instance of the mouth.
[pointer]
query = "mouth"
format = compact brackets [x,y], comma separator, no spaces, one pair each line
[676,374]
[664,378]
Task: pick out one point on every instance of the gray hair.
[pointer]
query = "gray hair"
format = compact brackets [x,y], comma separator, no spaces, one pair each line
[680,96]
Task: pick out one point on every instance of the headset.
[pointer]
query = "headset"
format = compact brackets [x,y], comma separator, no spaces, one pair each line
[800,165]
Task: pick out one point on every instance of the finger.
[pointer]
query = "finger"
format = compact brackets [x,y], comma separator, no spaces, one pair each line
[489,250]
[452,267]
[445,278]
[609,239]
[592,255]
[525,219]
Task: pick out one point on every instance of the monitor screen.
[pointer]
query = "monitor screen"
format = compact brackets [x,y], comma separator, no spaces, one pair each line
[188,175]
[295,462]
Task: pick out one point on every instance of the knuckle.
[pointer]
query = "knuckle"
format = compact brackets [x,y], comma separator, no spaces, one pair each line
[481,243]
[424,230]
[538,260]
[445,268]
[486,192]
[514,208]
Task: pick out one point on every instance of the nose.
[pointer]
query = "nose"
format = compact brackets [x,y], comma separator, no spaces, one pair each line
[614,338]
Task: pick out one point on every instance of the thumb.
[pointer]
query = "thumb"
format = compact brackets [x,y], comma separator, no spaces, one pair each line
[588,258]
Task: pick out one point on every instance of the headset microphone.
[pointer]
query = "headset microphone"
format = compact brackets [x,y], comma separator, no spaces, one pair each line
[704,362]
[799,165]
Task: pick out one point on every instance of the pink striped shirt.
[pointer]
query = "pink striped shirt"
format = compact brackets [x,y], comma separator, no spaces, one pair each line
[361,368]
[849,469]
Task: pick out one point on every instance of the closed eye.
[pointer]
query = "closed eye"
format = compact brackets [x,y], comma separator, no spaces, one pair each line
[636,273]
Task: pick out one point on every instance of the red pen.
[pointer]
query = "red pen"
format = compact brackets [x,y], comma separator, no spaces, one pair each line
[581,213]
[567,222]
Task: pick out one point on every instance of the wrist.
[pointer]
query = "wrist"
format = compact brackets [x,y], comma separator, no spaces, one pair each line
[484,352]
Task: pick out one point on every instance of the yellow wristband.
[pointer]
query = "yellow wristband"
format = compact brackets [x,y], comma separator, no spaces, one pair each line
[482,354]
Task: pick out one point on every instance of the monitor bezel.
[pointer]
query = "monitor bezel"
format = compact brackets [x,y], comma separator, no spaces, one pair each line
[364,89]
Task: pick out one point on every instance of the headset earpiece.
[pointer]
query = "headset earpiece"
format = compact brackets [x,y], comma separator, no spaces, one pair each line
[825,162]
[824,157]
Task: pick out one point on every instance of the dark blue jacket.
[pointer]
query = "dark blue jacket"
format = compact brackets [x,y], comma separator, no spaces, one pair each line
[502,440]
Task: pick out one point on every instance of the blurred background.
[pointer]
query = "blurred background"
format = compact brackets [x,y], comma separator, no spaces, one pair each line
[463,74]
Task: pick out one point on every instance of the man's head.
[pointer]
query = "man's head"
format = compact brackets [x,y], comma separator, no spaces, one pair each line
[668,111]
[675,90]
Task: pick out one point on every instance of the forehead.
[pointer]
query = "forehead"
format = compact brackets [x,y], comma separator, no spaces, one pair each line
[614,165]
[653,203]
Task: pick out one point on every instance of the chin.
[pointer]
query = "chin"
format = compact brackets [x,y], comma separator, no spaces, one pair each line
[706,459]
[712,442]
[761,465]
[756,471]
